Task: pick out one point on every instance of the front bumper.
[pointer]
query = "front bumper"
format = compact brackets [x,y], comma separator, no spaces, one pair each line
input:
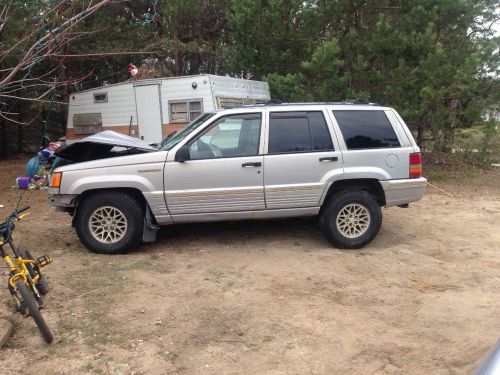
[399,192]
[62,202]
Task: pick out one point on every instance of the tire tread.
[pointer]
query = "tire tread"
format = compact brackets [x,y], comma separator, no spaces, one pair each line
[329,209]
[34,310]
[129,203]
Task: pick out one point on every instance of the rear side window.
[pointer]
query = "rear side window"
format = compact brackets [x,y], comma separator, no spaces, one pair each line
[298,132]
[366,129]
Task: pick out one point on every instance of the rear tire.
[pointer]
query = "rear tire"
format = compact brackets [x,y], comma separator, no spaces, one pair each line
[110,222]
[350,219]
[42,285]
[33,310]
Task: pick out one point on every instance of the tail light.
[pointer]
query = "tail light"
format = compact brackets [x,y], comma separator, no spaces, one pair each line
[415,165]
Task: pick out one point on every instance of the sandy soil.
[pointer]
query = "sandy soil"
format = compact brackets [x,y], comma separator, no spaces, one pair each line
[268,297]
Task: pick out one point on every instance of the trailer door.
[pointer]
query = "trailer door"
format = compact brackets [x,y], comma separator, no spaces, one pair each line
[149,116]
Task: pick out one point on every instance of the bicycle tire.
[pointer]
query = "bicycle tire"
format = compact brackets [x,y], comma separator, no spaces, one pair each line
[34,311]
[42,284]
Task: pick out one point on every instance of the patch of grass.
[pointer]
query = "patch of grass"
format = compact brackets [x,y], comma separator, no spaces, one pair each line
[268,338]
[453,168]
[91,369]
[473,151]
[142,265]
[250,345]
[95,293]
[170,356]
[216,275]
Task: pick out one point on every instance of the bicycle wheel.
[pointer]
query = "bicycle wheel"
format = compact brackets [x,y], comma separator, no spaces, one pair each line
[34,311]
[42,285]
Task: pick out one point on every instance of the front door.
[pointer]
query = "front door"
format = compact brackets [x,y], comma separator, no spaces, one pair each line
[149,119]
[224,173]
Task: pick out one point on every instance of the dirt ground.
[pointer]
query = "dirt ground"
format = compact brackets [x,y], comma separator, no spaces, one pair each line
[269,297]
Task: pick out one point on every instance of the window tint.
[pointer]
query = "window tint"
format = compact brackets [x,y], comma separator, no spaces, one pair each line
[366,129]
[230,136]
[298,132]
[321,139]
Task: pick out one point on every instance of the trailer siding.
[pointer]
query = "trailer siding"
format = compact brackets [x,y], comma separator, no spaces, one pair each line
[121,106]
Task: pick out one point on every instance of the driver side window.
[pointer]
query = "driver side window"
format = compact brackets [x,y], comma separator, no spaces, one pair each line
[231,136]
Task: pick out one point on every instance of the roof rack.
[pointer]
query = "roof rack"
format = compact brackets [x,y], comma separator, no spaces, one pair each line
[273,101]
[343,102]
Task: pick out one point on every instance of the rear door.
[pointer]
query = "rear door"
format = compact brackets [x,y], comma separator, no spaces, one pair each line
[302,156]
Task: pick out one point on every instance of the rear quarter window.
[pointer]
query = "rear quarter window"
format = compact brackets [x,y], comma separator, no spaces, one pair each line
[366,129]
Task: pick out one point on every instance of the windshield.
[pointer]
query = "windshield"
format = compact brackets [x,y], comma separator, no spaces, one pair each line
[169,142]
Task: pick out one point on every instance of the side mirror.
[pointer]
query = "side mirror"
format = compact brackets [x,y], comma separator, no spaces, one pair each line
[182,154]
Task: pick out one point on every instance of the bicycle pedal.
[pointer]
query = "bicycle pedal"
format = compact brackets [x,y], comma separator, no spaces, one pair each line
[43,261]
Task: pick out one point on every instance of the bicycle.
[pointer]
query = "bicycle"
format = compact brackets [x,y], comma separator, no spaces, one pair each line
[26,282]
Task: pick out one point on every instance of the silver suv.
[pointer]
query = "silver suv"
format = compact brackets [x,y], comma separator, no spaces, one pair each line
[339,161]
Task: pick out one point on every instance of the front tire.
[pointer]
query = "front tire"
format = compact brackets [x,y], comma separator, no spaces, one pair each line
[109,222]
[351,219]
[33,310]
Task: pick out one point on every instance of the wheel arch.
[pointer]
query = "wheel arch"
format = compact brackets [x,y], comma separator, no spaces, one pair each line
[133,192]
[370,185]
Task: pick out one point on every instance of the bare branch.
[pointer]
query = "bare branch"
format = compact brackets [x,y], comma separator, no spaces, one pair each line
[31,99]
[108,54]
[51,41]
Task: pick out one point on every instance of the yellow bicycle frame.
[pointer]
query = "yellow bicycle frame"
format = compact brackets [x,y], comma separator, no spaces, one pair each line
[19,266]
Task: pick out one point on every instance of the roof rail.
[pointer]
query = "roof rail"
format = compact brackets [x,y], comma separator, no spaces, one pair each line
[343,102]
[273,102]
[356,101]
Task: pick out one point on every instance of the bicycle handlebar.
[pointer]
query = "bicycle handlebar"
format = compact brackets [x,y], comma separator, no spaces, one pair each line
[22,209]
[8,225]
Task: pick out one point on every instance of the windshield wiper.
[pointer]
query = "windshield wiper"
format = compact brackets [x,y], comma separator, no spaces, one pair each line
[162,144]
[171,135]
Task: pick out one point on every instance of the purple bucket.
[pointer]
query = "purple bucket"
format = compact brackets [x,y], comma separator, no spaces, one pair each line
[23,183]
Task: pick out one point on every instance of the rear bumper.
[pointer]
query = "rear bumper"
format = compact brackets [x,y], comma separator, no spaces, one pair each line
[398,192]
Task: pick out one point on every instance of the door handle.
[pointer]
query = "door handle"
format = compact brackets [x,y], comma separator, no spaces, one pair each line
[329,158]
[250,165]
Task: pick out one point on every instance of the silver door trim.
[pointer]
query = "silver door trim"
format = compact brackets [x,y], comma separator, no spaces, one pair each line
[245,215]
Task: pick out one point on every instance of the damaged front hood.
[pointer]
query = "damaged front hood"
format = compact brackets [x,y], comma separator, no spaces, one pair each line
[103,145]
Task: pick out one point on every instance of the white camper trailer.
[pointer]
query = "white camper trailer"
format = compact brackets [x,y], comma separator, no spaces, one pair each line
[152,108]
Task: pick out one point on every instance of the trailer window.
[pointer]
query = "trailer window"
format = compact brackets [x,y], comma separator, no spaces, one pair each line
[226,102]
[101,97]
[185,111]
[87,123]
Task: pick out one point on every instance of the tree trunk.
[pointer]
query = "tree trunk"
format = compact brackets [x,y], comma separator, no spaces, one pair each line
[20,130]
[420,132]
[3,139]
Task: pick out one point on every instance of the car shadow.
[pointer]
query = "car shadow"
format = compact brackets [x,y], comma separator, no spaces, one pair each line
[303,231]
